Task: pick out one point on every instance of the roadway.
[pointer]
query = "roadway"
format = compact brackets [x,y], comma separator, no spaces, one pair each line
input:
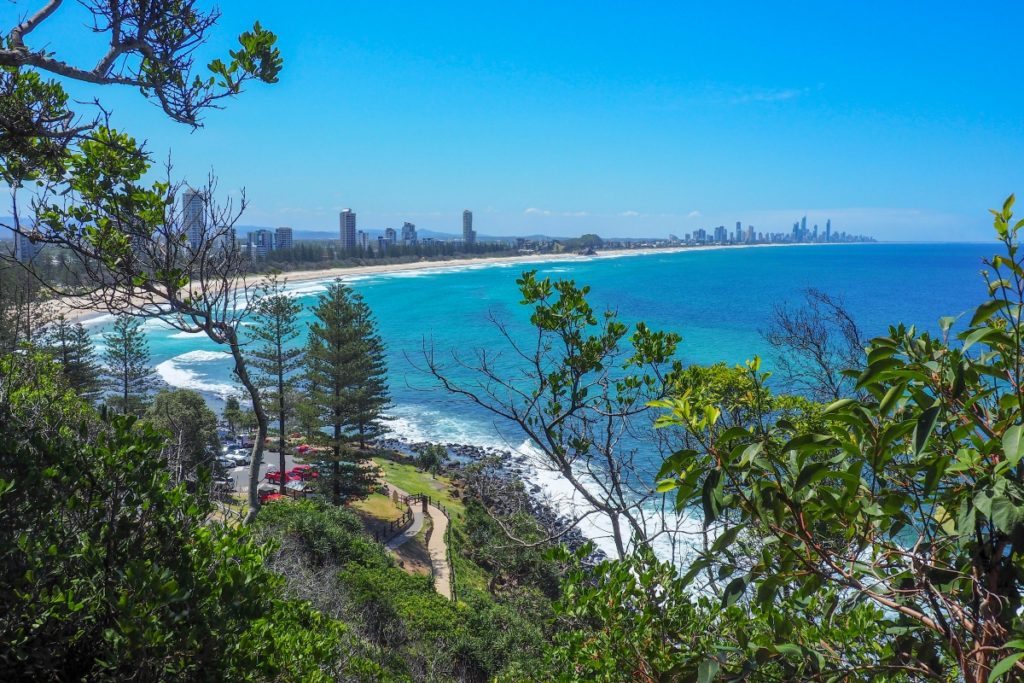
[240,474]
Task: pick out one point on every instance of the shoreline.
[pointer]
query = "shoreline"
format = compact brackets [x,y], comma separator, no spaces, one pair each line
[343,272]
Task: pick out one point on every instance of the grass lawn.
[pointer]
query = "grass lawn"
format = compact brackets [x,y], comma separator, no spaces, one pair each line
[412,481]
[380,507]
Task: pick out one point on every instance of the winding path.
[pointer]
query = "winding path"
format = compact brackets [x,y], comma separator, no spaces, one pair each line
[412,530]
[436,546]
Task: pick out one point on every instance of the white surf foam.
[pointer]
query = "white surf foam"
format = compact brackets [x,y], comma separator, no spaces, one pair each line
[172,372]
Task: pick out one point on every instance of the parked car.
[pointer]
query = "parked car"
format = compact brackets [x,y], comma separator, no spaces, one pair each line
[225,462]
[240,456]
[305,472]
[268,495]
[223,484]
[274,476]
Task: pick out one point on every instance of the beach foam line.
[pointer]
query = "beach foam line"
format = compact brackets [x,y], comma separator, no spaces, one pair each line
[172,372]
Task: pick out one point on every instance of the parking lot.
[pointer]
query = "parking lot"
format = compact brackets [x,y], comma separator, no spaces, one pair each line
[240,474]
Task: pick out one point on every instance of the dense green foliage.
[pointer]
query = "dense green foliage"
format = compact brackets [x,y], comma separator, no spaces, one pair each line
[110,572]
[907,496]
[193,442]
[414,632]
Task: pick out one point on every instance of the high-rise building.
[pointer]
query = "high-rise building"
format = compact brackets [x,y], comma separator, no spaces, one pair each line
[25,249]
[803,228]
[193,216]
[348,229]
[363,240]
[468,233]
[284,238]
[408,234]
[391,235]
[260,243]
[228,240]
[749,237]
[828,230]
[721,234]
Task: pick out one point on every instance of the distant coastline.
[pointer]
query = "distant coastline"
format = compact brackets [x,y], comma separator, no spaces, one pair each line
[328,274]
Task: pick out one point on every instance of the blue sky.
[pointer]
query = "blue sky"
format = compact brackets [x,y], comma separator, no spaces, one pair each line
[902,120]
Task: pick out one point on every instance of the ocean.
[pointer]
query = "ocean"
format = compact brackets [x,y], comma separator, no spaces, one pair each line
[719,300]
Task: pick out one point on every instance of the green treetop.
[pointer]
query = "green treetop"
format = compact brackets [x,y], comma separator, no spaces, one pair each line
[126,357]
[274,358]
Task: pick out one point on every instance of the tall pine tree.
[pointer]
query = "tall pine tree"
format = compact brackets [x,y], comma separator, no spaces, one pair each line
[345,375]
[126,357]
[70,345]
[274,358]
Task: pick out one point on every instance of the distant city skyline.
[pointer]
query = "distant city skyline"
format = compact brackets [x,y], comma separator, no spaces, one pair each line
[898,121]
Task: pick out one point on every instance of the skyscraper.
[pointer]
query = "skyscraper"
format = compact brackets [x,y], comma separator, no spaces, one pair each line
[193,216]
[828,230]
[468,233]
[284,238]
[348,228]
[260,242]
[409,234]
[24,249]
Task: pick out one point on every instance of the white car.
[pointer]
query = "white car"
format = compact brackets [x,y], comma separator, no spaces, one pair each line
[240,456]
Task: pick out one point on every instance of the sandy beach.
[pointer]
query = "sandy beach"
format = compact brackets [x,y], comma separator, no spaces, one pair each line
[299,276]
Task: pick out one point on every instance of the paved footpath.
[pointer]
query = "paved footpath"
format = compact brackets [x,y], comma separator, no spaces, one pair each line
[413,529]
[439,553]
[436,546]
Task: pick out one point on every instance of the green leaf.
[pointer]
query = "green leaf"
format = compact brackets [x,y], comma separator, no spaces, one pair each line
[767,590]
[734,590]
[666,485]
[1003,666]
[1005,514]
[809,474]
[875,369]
[707,671]
[985,311]
[1013,444]
[925,427]
[725,539]
[890,398]
[710,496]
[978,335]
[838,405]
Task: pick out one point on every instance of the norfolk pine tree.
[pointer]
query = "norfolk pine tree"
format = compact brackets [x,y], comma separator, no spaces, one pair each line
[275,362]
[345,376]
[127,365]
[70,346]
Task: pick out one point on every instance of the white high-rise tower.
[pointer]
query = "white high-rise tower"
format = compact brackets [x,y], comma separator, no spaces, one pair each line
[347,222]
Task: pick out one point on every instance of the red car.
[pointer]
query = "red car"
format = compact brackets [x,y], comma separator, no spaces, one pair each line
[269,496]
[305,472]
[274,476]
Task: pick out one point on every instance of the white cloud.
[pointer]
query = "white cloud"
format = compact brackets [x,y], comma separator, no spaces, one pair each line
[694,214]
[629,214]
[547,212]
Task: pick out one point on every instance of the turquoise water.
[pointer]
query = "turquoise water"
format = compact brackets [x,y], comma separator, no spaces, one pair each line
[718,300]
